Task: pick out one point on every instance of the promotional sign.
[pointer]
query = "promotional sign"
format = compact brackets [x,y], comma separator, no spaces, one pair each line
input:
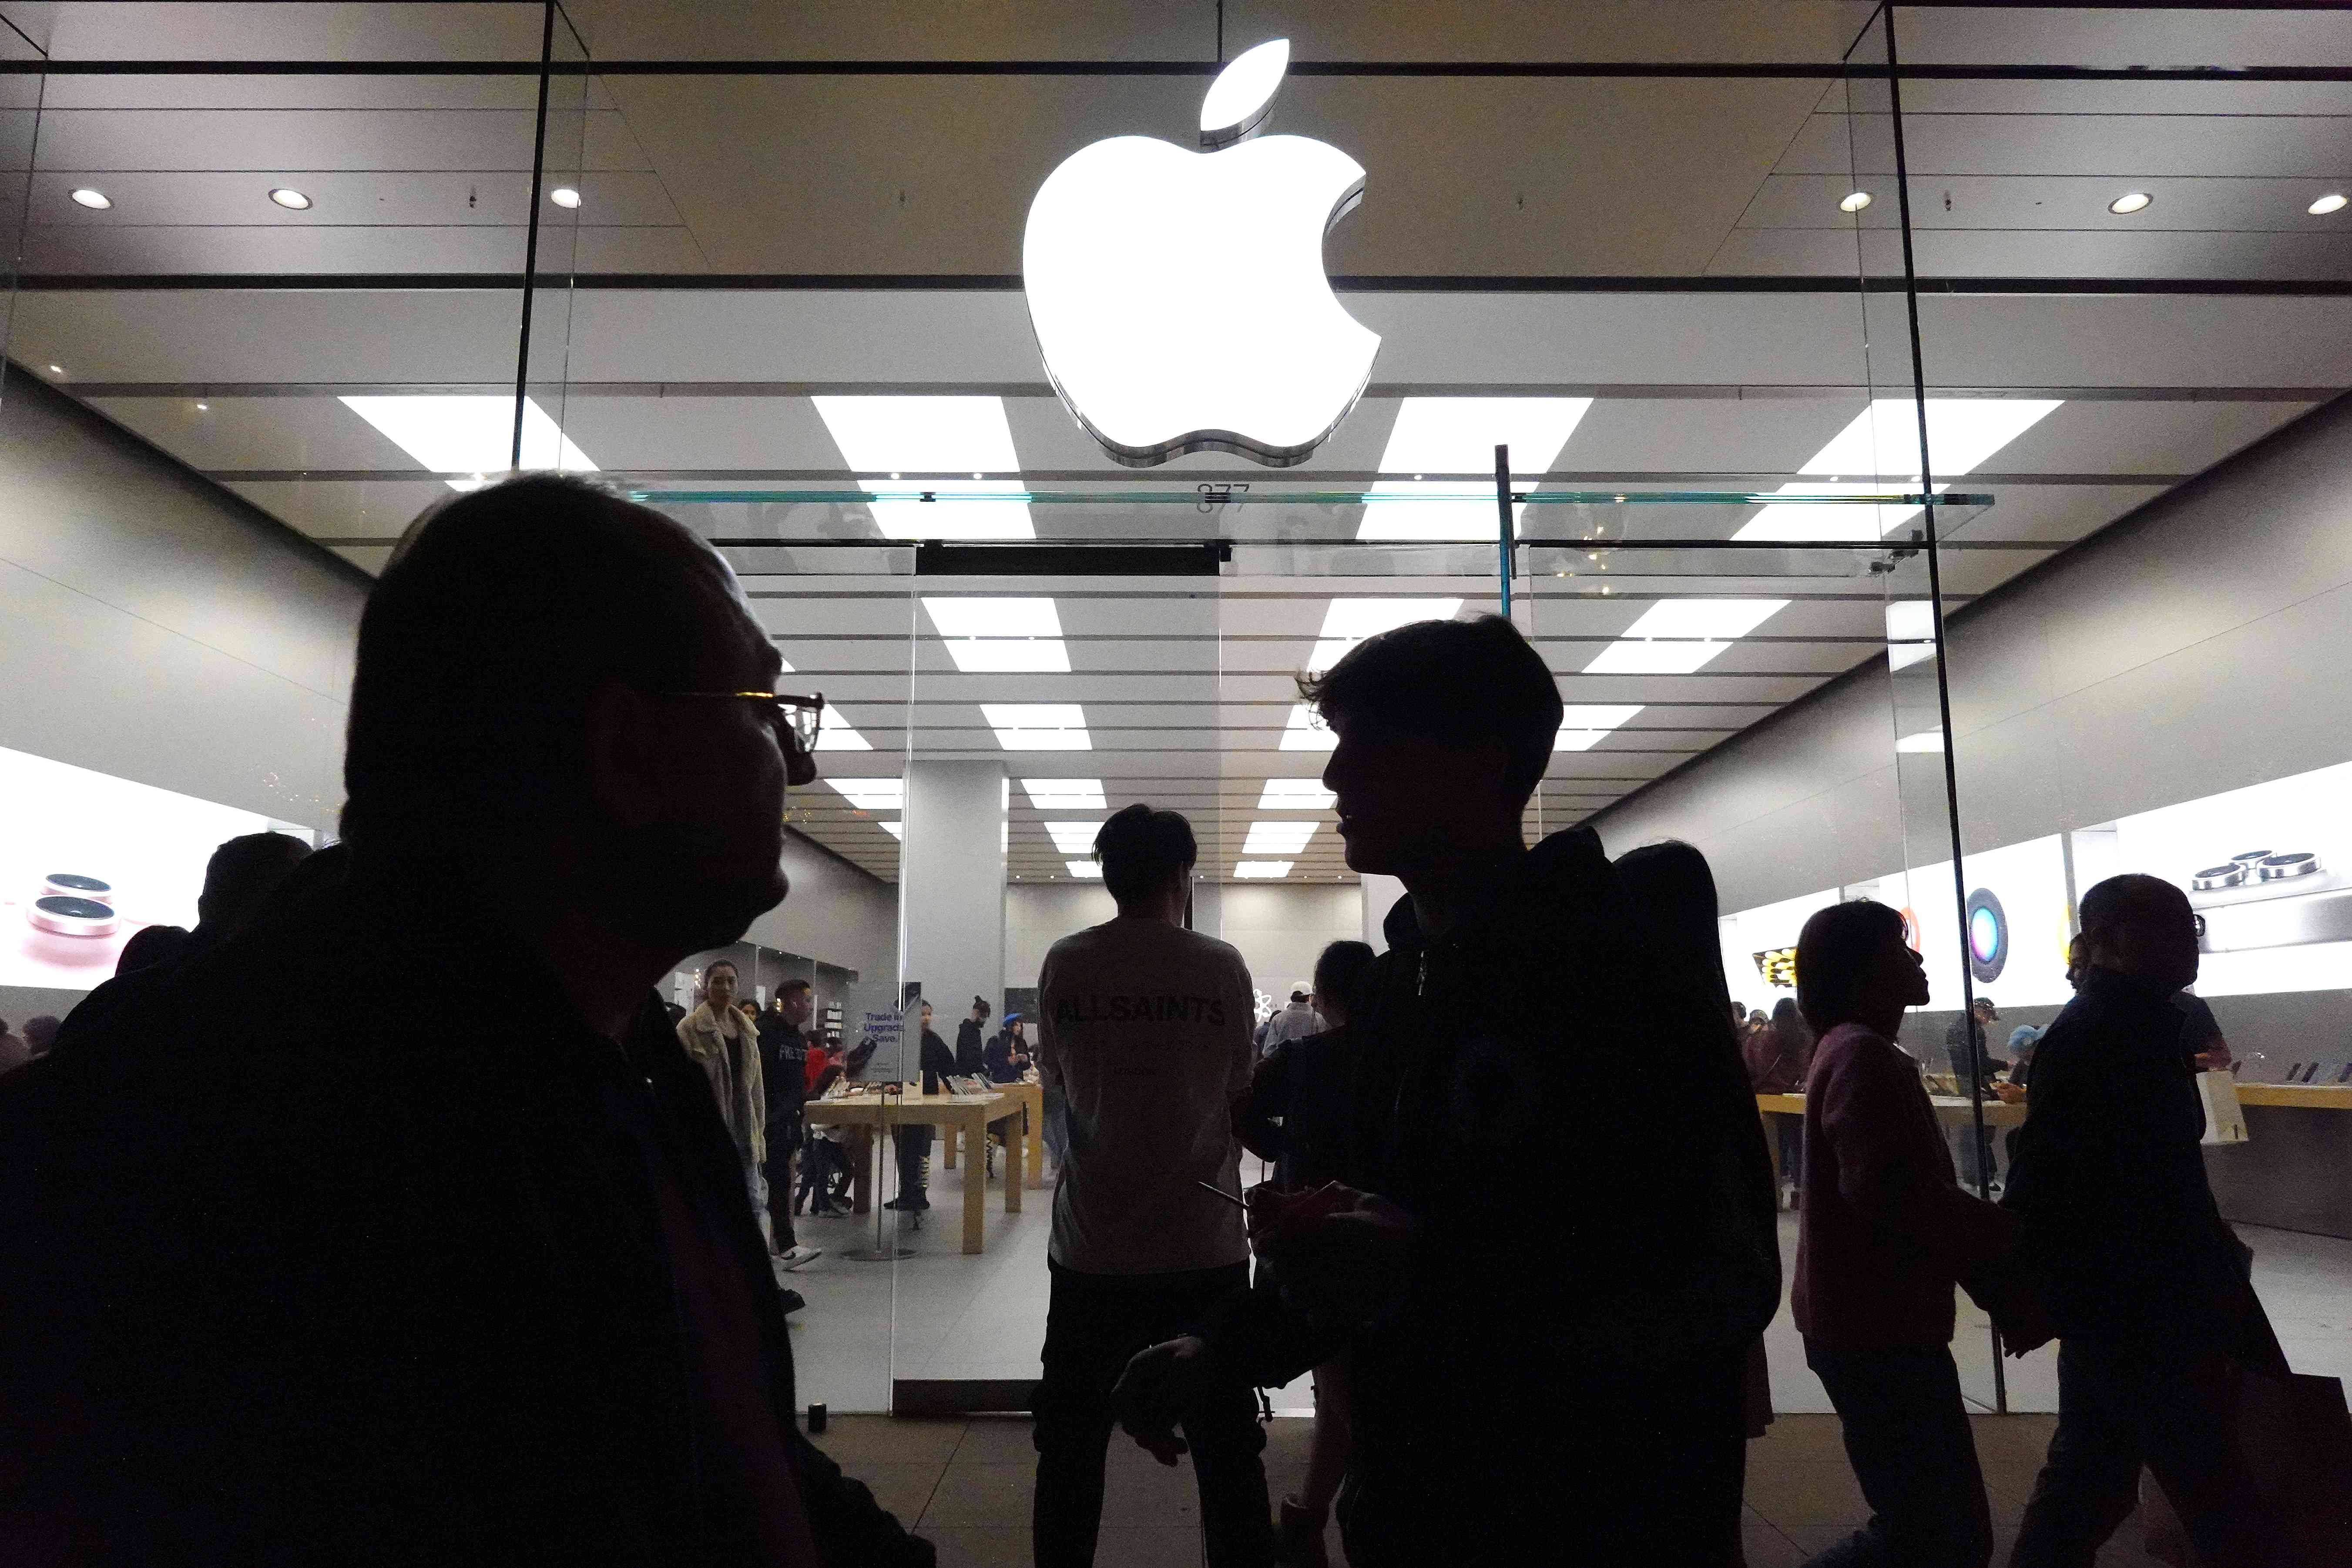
[874,1018]
[88,860]
[1179,298]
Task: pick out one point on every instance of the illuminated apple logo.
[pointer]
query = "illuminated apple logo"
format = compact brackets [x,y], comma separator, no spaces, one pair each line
[1179,298]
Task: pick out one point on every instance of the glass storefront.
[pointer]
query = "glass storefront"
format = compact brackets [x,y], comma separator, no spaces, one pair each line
[1776,395]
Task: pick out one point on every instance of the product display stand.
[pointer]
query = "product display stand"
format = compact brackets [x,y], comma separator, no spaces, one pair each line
[884,1250]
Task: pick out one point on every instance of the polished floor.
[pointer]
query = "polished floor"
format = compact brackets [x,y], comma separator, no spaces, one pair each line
[940,1314]
[965,1485]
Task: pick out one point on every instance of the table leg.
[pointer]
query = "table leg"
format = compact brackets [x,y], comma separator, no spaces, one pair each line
[1013,1147]
[862,1144]
[947,1149]
[1033,1156]
[975,1207]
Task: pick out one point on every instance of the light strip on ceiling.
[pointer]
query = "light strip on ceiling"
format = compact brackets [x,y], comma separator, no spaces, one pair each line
[896,830]
[1000,637]
[1295,794]
[836,735]
[1350,621]
[872,794]
[1881,445]
[1038,726]
[1087,870]
[1306,731]
[964,439]
[1584,724]
[1271,839]
[470,434]
[1923,741]
[1910,633]
[1676,636]
[1074,838]
[1458,435]
[1262,870]
[1065,794]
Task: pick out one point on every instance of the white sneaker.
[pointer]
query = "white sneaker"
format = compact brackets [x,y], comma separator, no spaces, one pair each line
[798,1256]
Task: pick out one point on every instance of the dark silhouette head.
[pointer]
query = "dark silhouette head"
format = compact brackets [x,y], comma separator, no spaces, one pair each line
[1854,967]
[533,701]
[240,877]
[1145,854]
[2141,926]
[980,1009]
[1444,728]
[1673,887]
[151,945]
[1342,973]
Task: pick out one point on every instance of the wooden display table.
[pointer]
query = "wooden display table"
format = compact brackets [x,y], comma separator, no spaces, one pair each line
[862,1115]
[1951,1110]
[1031,1098]
[2303,1096]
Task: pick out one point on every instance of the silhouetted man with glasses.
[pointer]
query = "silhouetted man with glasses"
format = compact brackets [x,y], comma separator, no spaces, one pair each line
[445,1278]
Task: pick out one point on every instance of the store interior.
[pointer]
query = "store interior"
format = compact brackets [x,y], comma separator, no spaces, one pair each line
[1705,281]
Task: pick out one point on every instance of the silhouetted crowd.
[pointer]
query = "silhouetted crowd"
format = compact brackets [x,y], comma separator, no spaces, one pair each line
[308,1254]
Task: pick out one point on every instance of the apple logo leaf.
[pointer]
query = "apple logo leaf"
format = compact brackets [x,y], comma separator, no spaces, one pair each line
[1237,103]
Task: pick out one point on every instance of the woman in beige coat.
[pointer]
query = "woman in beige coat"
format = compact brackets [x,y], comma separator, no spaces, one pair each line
[724,1046]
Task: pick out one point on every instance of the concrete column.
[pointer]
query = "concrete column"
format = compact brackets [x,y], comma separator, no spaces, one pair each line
[951,888]
[1381,894]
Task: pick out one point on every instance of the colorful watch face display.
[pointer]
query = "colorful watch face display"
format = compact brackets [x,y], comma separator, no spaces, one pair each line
[1988,936]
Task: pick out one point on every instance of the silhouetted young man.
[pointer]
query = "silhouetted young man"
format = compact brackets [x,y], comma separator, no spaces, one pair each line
[1539,1377]
[445,1278]
[2145,1284]
[1145,1027]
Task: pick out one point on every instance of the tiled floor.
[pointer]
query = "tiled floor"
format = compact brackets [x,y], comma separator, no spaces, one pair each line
[940,1315]
[965,1486]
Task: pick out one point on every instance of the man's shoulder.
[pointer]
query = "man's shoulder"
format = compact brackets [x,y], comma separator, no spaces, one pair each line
[1155,938]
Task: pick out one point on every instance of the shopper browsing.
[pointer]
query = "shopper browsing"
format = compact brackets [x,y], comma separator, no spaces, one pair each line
[1886,1232]
[720,1040]
[1145,1027]
[970,1046]
[1295,1022]
[783,1067]
[429,1281]
[1548,1365]
[934,1062]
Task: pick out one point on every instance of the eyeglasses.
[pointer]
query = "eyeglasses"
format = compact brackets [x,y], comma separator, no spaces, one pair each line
[800,717]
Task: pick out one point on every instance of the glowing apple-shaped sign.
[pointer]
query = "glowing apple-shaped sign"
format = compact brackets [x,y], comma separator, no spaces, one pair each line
[1179,298]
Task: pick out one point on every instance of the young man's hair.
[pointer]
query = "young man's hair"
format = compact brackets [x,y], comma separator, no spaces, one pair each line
[2120,900]
[791,987]
[1140,850]
[1456,682]
[1342,973]
[1834,958]
[501,614]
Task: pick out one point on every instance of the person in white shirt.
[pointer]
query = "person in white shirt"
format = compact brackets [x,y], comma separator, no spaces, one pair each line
[1145,1027]
[1295,1022]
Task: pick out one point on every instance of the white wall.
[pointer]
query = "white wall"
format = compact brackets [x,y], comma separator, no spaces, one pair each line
[835,912]
[1039,914]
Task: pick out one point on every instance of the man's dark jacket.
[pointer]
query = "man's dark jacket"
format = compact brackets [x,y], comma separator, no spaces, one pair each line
[1570,1126]
[2120,1225]
[287,1279]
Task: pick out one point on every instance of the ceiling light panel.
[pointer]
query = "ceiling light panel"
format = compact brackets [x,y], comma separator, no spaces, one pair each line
[1038,726]
[1584,724]
[1676,636]
[1458,435]
[1350,621]
[1262,870]
[872,794]
[896,830]
[1924,740]
[1295,794]
[986,636]
[880,437]
[1910,632]
[1074,838]
[1880,446]
[1270,838]
[1306,731]
[835,735]
[97,201]
[462,434]
[1065,794]
[1086,870]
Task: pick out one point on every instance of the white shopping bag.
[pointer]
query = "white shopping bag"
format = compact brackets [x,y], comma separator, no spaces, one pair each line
[2225,1122]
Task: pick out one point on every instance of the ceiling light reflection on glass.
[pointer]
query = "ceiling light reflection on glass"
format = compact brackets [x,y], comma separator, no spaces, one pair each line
[882,437]
[835,735]
[1676,636]
[896,830]
[1038,726]
[1295,794]
[1074,838]
[1306,731]
[1086,870]
[1272,838]
[1065,794]
[1882,443]
[1262,870]
[1350,621]
[470,434]
[1583,725]
[1910,633]
[990,635]
[1923,741]
[871,795]
[1459,434]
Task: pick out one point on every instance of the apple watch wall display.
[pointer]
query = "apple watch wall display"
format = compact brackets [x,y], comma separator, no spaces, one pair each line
[1988,936]
[2270,897]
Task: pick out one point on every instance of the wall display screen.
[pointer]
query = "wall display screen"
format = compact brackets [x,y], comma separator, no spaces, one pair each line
[88,860]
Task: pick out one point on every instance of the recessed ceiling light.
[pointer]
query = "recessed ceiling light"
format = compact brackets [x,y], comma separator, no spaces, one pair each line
[992,635]
[1854,201]
[871,795]
[1306,731]
[1269,838]
[1074,838]
[1459,434]
[565,196]
[1065,794]
[1350,621]
[293,200]
[470,434]
[97,201]
[1295,794]
[204,407]
[1038,726]
[2129,202]
[2333,202]
[1089,870]
[1262,870]
[57,370]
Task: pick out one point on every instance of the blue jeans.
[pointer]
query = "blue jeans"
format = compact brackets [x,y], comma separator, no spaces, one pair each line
[1907,1438]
